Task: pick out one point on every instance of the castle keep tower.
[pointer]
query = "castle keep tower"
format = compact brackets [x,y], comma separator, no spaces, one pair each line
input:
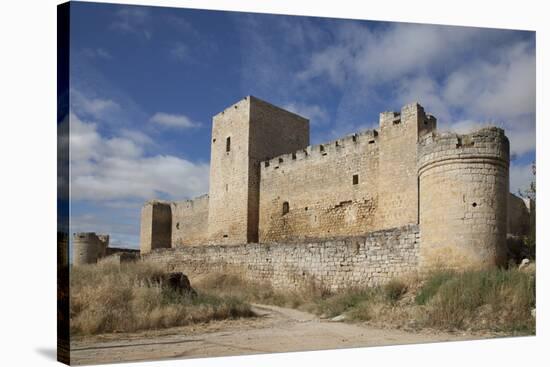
[463,198]
[244,134]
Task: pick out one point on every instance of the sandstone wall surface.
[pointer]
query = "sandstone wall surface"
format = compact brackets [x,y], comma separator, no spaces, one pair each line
[398,181]
[156,226]
[330,190]
[519,215]
[463,198]
[190,221]
[242,135]
[336,264]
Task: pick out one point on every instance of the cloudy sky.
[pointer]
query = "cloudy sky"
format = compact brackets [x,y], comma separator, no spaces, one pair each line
[145,83]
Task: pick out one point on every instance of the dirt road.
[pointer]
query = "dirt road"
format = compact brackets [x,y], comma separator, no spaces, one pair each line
[275,330]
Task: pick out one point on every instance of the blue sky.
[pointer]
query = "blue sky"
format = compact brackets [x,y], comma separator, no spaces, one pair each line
[146,81]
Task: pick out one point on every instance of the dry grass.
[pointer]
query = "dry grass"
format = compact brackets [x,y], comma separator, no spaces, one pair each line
[109,298]
[494,300]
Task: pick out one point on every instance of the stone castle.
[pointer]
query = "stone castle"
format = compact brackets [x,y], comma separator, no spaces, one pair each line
[359,209]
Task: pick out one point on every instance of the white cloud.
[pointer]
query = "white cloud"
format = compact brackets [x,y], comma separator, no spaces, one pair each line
[498,89]
[137,137]
[96,107]
[316,114]
[173,120]
[116,168]
[133,20]
[180,52]
[98,53]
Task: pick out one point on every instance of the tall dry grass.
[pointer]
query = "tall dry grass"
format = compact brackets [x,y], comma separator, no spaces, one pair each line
[496,300]
[108,298]
[111,298]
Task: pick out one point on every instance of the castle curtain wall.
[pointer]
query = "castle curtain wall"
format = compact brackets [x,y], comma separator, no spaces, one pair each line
[190,222]
[329,190]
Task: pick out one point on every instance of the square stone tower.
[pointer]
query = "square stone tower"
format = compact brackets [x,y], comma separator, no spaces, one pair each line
[243,135]
[156,226]
[398,179]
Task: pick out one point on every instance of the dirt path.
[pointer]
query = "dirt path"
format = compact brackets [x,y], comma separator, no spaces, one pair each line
[275,330]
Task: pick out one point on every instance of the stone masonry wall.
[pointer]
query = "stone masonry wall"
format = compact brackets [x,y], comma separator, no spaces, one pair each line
[156,226]
[398,181]
[463,198]
[318,185]
[519,215]
[190,221]
[256,131]
[336,264]
[228,195]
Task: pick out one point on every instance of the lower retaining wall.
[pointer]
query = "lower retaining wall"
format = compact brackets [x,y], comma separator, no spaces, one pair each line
[359,261]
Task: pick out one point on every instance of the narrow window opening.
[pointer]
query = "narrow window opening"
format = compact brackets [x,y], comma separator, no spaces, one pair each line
[355,179]
[337,144]
[354,138]
[306,208]
[280,160]
[396,122]
[293,155]
[178,225]
[228,144]
[371,141]
[266,164]
[214,140]
[285,207]
[225,236]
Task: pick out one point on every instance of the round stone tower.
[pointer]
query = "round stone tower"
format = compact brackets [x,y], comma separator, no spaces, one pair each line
[87,248]
[463,190]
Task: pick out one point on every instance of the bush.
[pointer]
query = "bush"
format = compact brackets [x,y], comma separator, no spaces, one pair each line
[497,299]
[431,285]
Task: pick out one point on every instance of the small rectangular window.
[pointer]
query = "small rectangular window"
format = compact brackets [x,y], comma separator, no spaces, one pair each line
[355,179]
[266,164]
[286,207]
[228,144]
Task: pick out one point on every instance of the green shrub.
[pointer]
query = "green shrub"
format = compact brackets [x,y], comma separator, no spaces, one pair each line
[431,285]
[497,299]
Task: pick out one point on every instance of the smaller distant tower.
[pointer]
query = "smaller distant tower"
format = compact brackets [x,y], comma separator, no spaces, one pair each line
[87,248]
[156,226]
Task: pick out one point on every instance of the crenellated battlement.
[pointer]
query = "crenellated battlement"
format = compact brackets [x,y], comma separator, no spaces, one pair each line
[190,203]
[440,148]
[366,139]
